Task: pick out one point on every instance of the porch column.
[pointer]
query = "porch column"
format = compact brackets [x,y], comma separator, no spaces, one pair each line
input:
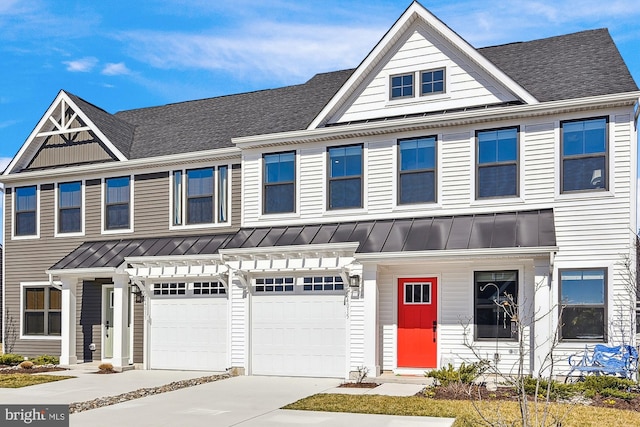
[68,321]
[120,321]
[543,336]
[370,291]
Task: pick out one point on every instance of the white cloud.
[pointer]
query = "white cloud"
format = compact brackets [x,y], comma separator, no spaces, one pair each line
[116,69]
[277,50]
[83,65]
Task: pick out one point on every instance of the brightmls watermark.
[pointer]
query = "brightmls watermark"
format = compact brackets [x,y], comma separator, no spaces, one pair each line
[35,415]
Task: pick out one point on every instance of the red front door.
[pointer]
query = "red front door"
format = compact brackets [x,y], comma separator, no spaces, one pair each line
[417,323]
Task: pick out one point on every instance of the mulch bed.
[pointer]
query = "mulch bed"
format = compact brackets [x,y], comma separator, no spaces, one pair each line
[463,392]
[358,385]
[8,370]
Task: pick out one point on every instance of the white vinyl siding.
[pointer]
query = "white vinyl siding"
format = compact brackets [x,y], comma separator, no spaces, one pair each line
[455,293]
[423,50]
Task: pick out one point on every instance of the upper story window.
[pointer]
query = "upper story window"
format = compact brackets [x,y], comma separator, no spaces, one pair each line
[418,83]
[497,163]
[417,170]
[584,155]
[432,82]
[402,86]
[26,211]
[70,207]
[495,293]
[345,177]
[279,183]
[197,200]
[42,311]
[117,203]
[583,302]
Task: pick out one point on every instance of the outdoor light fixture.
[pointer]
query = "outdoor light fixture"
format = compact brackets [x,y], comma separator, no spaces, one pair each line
[354,281]
[137,292]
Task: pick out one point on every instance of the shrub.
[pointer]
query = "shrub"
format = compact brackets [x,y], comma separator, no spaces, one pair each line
[26,364]
[558,390]
[600,383]
[11,359]
[465,374]
[45,359]
[106,367]
[612,392]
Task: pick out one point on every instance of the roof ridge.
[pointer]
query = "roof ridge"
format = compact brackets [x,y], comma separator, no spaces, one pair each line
[545,38]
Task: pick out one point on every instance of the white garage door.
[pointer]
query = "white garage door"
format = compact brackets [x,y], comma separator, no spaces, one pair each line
[298,334]
[188,332]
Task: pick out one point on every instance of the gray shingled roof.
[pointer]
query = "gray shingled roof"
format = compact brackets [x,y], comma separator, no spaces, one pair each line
[575,65]
[524,229]
[570,66]
[211,123]
[118,131]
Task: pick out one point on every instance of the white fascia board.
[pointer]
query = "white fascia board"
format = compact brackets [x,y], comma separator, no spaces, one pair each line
[27,144]
[94,128]
[413,12]
[62,96]
[455,254]
[349,247]
[439,120]
[83,272]
[129,165]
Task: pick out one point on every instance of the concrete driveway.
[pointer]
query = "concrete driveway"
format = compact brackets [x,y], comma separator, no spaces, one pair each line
[247,401]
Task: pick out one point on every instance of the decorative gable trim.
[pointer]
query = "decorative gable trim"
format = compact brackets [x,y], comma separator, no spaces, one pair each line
[57,121]
[415,12]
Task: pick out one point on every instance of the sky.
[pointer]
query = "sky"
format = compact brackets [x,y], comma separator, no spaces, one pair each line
[121,55]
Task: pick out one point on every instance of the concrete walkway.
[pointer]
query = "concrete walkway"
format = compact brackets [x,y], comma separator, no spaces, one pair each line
[247,401]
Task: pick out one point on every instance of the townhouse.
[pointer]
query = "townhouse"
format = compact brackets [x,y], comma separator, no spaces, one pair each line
[378,218]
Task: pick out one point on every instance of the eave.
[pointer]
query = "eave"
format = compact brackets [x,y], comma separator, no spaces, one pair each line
[445,119]
[146,163]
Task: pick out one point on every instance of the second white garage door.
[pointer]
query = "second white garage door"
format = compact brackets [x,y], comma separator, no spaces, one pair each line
[298,335]
[188,333]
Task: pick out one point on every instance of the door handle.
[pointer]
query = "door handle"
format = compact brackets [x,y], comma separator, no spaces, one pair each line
[107,329]
[435,330]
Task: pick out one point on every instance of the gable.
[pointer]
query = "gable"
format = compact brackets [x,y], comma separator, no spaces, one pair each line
[66,135]
[423,49]
[416,43]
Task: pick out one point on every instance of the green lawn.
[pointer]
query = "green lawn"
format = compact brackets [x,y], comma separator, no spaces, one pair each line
[25,380]
[464,412]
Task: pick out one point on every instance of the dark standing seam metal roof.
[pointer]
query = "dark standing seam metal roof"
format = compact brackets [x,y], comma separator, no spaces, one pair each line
[524,229]
[563,67]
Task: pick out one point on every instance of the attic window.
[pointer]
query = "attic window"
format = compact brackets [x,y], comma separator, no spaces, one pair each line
[402,86]
[432,82]
[417,83]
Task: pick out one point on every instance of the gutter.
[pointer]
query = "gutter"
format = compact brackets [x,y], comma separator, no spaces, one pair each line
[436,120]
[454,255]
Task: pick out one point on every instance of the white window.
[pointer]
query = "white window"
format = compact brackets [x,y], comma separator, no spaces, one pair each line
[118,204]
[25,207]
[200,196]
[69,208]
[172,288]
[274,284]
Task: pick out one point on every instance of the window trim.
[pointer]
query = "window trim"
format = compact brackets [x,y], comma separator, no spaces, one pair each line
[608,185]
[45,285]
[57,232]
[474,305]
[604,305]
[413,86]
[444,81]
[517,162]
[329,179]
[103,202]
[14,205]
[216,197]
[293,183]
[399,171]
